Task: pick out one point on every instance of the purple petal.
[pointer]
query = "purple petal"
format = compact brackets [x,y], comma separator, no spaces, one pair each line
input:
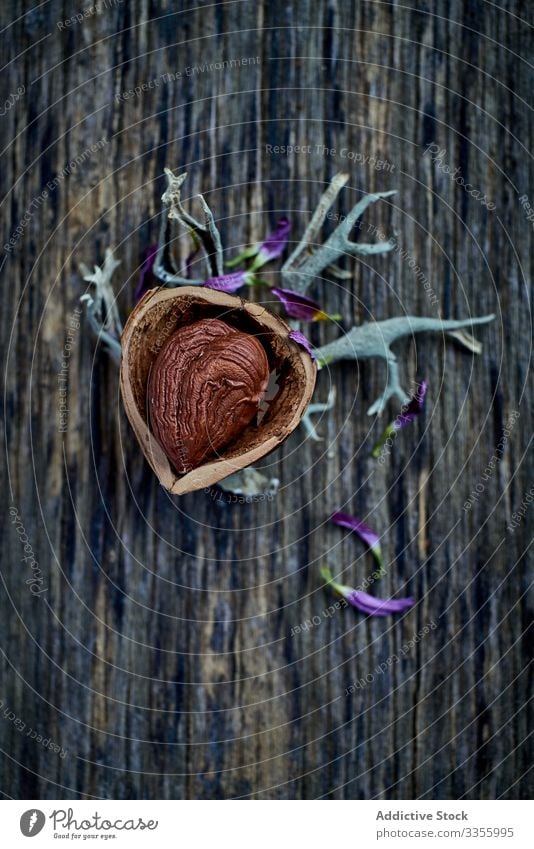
[301,340]
[274,245]
[413,409]
[363,601]
[297,306]
[228,282]
[378,606]
[353,524]
[145,273]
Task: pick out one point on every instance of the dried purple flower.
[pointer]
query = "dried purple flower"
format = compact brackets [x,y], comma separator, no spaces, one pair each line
[363,601]
[271,247]
[302,307]
[230,282]
[300,339]
[364,532]
[413,408]
[274,245]
[408,413]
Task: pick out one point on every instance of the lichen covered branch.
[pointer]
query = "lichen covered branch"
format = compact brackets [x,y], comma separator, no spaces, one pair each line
[315,409]
[204,233]
[305,264]
[311,235]
[101,305]
[251,484]
[375,340]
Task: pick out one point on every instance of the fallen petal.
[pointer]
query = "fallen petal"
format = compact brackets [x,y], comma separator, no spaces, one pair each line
[274,245]
[378,606]
[247,253]
[301,340]
[229,282]
[408,413]
[389,431]
[353,524]
[364,602]
[413,409]
[300,306]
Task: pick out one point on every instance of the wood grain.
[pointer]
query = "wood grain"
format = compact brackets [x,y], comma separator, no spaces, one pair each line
[161,656]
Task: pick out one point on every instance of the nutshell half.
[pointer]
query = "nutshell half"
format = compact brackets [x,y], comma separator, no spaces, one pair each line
[195,366]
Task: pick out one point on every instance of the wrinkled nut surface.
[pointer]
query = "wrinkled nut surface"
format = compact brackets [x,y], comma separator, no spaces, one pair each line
[204,388]
[159,316]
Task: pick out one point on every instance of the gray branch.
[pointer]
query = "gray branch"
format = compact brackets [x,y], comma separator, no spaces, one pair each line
[206,232]
[315,409]
[374,340]
[101,304]
[250,483]
[305,263]
[311,235]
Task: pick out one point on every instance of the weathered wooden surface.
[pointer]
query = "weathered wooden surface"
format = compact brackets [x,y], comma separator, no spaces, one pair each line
[160,656]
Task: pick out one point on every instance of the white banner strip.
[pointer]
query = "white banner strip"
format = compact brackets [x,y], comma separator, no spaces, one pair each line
[268,824]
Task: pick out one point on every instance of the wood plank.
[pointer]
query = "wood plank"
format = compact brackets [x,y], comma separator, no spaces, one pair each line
[161,656]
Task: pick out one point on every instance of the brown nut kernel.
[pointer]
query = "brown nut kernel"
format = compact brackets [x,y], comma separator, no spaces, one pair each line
[158,317]
[204,388]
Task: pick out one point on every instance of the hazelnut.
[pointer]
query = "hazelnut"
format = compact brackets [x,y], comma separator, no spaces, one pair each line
[195,367]
[205,387]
